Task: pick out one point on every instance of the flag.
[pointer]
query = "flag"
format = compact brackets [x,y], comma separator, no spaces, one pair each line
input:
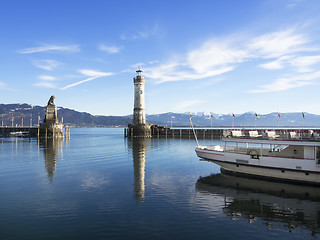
[39,117]
[172,116]
[190,116]
[256,115]
[31,117]
[22,117]
[12,118]
[211,115]
[303,115]
[279,115]
[233,115]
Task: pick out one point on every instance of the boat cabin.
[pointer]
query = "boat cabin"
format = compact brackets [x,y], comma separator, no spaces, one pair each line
[272,148]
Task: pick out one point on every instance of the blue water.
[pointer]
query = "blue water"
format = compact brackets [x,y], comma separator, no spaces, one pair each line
[100,185]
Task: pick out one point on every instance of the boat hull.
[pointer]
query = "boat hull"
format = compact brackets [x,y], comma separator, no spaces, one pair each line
[243,165]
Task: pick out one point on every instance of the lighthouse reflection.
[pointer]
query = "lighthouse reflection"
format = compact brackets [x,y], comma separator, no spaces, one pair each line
[52,149]
[277,205]
[139,147]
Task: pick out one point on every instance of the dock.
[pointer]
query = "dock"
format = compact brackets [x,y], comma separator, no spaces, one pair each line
[218,133]
[27,131]
[165,132]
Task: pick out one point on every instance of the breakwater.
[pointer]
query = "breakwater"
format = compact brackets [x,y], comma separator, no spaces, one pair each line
[218,133]
[160,131]
[34,131]
[22,131]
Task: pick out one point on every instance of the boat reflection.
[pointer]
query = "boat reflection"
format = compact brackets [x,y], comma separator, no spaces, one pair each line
[277,205]
[52,149]
[139,146]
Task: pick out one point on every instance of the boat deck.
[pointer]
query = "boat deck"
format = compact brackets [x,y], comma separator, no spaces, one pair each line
[262,135]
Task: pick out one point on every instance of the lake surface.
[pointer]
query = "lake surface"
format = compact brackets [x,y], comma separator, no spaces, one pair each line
[100,185]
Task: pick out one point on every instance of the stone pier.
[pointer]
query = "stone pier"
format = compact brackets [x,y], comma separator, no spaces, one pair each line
[164,132]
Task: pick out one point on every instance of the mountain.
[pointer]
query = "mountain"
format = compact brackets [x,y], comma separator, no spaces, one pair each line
[70,117]
[248,119]
[200,119]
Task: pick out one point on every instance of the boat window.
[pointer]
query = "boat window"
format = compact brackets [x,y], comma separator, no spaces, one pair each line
[318,155]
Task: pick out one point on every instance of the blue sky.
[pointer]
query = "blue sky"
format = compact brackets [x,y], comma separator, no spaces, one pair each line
[216,56]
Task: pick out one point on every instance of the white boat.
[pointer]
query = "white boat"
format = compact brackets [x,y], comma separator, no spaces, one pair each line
[19,134]
[279,155]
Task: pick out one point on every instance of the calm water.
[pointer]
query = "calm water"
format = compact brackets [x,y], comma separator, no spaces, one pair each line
[99,185]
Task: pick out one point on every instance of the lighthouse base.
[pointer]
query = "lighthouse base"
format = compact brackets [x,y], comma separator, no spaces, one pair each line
[139,130]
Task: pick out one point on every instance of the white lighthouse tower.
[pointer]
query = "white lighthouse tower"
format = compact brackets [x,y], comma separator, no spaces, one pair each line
[139,126]
[139,113]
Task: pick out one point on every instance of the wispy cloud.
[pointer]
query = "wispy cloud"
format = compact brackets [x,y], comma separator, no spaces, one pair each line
[278,44]
[294,3]
[3,85]
[45,84]
[50,48]
[185,105]
[47,78]
[46,64]
[109,49]
[213,54]
[281,49]
[145,33]
[92,74]
[286,83]
[211,59]
[305,63]
[277,64]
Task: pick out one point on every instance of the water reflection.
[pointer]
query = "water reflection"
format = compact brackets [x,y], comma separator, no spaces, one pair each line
[139,146]
[51,148]
[277,205]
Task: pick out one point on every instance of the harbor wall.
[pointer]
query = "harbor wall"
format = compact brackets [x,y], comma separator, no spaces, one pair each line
[218,133]
[32,131]
[159,131]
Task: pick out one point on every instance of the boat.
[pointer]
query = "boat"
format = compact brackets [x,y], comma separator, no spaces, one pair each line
[19,134]
[280,155]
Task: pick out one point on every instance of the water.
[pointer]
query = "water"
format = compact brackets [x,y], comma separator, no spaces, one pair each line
[100,185]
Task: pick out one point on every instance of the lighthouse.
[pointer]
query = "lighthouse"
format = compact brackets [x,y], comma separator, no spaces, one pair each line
[139,113]
[139,126]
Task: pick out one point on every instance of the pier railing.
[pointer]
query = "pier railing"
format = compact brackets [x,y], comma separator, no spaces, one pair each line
[279,134]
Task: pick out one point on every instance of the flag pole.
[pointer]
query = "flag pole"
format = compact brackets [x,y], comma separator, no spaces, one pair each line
[233,120]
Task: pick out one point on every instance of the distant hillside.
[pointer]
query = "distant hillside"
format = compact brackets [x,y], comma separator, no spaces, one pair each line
[200,119]
[70,117]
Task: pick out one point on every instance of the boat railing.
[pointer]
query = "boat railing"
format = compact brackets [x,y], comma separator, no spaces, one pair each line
[276,134]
